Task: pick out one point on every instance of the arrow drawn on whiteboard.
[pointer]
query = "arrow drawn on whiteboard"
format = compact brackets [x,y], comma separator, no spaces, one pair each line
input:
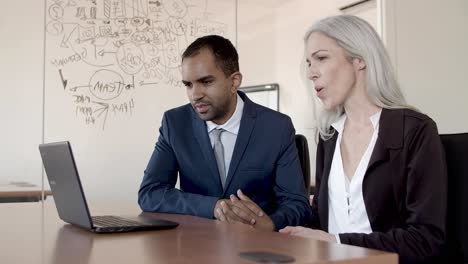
[64,82]
[102,52]
[73,89]
[104,108]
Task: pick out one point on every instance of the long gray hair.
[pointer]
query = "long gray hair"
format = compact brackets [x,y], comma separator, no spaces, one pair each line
[359,40]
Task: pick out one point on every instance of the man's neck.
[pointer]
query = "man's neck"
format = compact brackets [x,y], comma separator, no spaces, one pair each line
[228,115]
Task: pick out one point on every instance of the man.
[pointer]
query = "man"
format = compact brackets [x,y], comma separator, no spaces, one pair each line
[222,144]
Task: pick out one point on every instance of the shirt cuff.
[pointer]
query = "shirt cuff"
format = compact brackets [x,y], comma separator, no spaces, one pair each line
[337,237]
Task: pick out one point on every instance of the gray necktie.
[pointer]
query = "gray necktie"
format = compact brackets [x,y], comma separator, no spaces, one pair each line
[218,149]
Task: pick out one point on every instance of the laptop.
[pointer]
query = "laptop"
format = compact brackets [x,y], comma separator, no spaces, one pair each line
[62,173]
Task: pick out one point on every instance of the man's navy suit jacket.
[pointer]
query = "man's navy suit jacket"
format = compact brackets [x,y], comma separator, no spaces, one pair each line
[264,165]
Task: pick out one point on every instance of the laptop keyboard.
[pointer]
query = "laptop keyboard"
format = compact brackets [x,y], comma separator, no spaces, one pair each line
[113,221]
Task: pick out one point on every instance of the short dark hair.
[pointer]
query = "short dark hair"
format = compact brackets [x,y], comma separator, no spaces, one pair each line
[225,53]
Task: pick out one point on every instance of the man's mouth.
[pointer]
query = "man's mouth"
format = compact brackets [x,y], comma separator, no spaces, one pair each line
[201,107]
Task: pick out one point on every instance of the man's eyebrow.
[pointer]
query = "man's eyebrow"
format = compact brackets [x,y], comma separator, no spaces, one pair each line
[205,78]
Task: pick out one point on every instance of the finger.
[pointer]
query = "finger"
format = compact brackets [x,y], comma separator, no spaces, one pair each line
[250,204]
[242,210]
[221,216]
[217,206]
[293,231]
[302,232]
[216,214]
[247,217]
[254,208]
[233,198]
[242,196]
[230,215]
[224,210]
[286,230]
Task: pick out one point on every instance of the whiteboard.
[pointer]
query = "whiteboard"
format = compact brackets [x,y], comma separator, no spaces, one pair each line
[265,94]
[112,67]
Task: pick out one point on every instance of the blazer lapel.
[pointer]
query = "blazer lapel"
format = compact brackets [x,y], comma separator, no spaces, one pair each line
[329,150]
[390,136]
[245,130]
[380,153]
[201,135]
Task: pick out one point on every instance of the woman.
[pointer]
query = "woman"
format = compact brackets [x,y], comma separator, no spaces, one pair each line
[380,172]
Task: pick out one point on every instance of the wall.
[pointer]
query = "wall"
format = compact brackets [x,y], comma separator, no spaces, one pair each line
[270,43]
[21,71]
[428,41]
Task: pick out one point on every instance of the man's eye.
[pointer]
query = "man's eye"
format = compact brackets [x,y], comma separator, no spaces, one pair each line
[207,82]
[321,58]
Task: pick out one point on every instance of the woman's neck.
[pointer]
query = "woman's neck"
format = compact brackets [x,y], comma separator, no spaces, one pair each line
[359,109]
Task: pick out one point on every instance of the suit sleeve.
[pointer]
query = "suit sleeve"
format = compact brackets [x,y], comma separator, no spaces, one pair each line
[290,192]
[422,234]
[157,191]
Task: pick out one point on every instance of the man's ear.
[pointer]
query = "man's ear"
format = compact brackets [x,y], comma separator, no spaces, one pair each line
[236,81]
[359,64]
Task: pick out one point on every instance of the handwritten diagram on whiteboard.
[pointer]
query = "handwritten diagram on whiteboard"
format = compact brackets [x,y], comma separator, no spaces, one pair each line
[101,53]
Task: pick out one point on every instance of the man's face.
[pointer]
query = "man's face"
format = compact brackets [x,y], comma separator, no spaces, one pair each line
[211,93]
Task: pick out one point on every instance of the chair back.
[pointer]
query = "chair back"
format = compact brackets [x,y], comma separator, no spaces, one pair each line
[303,152]
[456,153]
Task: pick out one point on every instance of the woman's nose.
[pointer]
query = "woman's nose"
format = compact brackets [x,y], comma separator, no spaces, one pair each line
[313,74]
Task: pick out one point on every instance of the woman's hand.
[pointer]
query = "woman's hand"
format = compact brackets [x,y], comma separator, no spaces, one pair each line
[308,232]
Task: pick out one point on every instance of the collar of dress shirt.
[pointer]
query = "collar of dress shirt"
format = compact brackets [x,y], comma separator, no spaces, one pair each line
[338,125]
[233,124]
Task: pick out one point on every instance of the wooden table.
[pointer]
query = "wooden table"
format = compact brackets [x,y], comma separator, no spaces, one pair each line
[33,233]
[18,191]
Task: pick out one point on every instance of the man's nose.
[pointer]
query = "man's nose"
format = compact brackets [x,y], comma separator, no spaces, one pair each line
[197,92]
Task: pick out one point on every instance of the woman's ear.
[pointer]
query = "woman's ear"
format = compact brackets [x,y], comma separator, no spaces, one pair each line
[359,64]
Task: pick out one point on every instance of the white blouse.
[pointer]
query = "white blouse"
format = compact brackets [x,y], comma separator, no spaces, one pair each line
[346,209]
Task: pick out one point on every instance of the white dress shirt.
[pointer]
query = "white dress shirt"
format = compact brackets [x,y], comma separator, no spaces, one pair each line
[346,209]
[229,136]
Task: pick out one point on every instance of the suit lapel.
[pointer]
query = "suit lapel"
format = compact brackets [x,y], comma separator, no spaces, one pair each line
[247,125]
[201,135]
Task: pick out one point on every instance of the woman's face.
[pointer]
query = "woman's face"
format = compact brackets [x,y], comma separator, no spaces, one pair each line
[330,69]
